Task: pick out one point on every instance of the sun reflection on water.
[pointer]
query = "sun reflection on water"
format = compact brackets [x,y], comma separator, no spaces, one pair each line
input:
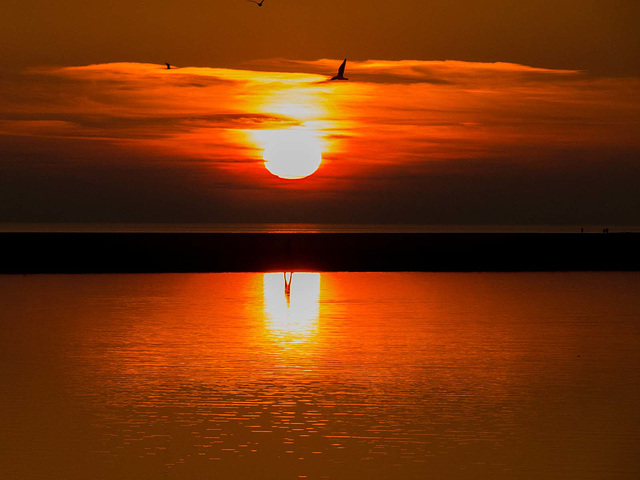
[292,317]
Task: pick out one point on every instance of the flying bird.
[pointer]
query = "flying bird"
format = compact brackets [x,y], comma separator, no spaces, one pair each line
[259,4]
[169,65]
[340,75]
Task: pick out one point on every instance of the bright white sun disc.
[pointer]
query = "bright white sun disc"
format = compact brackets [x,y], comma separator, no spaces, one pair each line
[292,154]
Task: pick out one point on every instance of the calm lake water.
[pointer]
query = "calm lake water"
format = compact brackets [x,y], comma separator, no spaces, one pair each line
[353,376]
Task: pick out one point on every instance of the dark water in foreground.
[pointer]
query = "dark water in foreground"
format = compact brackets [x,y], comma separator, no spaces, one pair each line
[357,375]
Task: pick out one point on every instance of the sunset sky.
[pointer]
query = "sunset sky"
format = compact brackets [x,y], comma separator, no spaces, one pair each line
[455,112]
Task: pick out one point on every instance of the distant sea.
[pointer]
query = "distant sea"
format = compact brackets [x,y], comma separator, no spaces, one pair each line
[305,228]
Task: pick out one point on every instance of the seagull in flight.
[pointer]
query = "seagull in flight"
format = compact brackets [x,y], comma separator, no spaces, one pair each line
[340,75]
[259,4]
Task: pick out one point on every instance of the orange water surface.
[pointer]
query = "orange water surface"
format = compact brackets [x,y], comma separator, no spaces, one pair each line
[346,376]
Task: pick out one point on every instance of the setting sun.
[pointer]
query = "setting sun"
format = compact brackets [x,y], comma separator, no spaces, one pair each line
[320,240]
[291,154]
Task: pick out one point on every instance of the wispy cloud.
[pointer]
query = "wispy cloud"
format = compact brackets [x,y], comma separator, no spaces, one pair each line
[418,71]
[427,110]
[393,119]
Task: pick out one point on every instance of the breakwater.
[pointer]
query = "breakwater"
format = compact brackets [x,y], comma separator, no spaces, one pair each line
[258,252]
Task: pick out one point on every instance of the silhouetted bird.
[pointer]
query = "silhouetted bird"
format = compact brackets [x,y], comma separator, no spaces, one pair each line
[168,66]
[340,75]
[259,4]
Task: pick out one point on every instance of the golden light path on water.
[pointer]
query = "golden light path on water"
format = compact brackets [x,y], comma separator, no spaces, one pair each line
[293,317]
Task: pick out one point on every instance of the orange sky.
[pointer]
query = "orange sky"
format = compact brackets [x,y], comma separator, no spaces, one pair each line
[600,36]
[484,140]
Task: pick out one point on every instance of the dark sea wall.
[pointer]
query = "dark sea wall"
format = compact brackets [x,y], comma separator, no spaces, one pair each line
[258,252]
